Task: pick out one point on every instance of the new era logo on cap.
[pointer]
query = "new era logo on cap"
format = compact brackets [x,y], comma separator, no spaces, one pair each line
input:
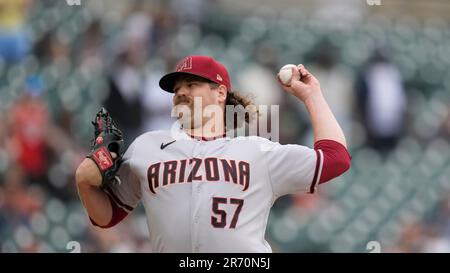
[202,66]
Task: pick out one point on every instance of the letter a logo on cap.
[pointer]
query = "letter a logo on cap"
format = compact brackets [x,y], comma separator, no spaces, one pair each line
[185,64]
[219,78]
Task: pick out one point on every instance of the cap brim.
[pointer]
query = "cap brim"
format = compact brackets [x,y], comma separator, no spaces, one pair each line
[167,82]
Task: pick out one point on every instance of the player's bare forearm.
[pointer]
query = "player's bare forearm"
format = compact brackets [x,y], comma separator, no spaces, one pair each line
[95,200]
[324,123]
[307,89]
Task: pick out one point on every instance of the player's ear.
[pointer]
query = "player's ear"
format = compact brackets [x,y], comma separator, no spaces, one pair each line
[222,93]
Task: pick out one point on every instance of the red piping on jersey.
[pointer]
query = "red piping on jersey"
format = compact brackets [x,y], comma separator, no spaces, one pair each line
[207,138]
[316,172]
[336,159]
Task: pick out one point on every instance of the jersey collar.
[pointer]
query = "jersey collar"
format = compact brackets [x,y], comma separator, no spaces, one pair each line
[207,138]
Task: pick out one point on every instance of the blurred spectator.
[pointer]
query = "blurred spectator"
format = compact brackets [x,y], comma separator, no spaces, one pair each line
[29,121]
[382,102]
[35,141]
[336,83]
[16,209]
[42,126]
[164,27]
[445,127]
[157,105]
[91,49]
[127,78]
[294,121]
[435,242]
[193,11]
[438,226]
[265,90]
[4,149]
[14,44]
[41,48]
[411,239]
[17,200]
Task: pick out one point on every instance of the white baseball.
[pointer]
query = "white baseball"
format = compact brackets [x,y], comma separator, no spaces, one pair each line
[286,73]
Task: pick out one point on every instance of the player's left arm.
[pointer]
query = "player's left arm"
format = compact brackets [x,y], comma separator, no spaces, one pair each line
[329,139]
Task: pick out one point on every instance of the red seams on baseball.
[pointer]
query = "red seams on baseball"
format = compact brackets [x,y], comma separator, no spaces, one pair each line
[99,140]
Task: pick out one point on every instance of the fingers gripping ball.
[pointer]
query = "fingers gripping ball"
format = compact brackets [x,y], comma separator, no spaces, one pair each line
[285,74]
[107,139]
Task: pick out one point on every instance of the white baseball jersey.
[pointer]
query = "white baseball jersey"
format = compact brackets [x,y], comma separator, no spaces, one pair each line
[211,196]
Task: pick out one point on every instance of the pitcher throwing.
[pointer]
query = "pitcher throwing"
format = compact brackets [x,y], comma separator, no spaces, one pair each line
[203,191]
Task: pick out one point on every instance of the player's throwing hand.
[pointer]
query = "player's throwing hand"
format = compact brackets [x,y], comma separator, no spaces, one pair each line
[303,84]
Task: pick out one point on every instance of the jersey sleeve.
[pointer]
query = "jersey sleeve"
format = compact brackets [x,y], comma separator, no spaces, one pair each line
[127,193]
[292,168]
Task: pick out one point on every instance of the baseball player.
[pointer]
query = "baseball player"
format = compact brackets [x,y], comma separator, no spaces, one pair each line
[203,191]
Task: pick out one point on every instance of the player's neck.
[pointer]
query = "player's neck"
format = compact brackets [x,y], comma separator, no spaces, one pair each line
[206,131]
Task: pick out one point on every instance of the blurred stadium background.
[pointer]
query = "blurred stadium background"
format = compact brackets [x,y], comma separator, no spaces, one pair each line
[384,70]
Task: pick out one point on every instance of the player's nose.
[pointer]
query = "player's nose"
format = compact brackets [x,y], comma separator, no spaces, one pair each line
[182,90]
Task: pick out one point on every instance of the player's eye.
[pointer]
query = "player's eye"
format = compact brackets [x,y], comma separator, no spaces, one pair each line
[191,84]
